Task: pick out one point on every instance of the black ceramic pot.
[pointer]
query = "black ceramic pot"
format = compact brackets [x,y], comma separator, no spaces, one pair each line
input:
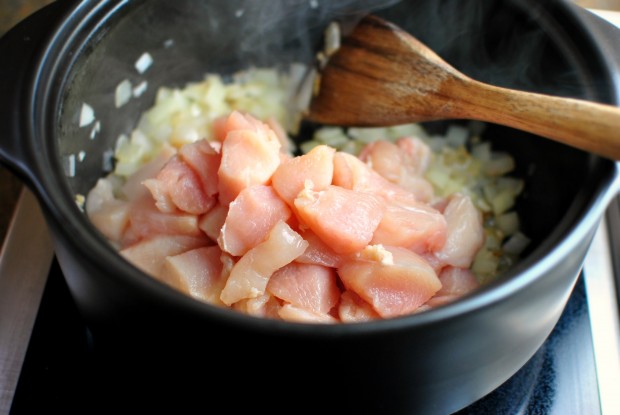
[156,347]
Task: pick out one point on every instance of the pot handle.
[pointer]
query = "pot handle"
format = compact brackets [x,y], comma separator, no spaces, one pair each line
[20,49]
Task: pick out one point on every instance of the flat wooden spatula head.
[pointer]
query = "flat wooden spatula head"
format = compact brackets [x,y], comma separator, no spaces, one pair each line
[380,76]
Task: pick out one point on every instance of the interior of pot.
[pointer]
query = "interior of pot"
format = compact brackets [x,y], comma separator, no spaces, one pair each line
[517,44]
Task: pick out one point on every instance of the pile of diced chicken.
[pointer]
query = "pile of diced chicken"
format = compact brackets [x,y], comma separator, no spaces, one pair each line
[324,237]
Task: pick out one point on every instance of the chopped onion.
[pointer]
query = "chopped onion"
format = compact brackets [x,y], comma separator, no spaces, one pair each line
[140,89]
[80,200]
[508,222]
[486,264]
[482,151]
[499,164]
[144,62]
[368,135]
[123,93]
[69,165]
[516,244]
[332,38]
[95,130]
[87,115]
[332,136]
[406,130]
[457,135]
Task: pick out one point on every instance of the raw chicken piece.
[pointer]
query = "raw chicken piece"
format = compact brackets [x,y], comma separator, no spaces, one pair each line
[145,221]
[149,254]
[219,128]
[280,131]
[401,164]
[344,219]
[228,262]
[204,160]
[395,281]
[292,176]
[133,188]
[112,219]
[457,281]
[250,218]
[109,215]
[433,261]
[177,186]
[100,195]
[416,154]
[289,312]
[250,154]
[310,287]
[419,186]
[318,252]
[385,158]
[465,232]
[197,272]
[250,275]
[352,173]
[237,121]
[438,301]
[264,305]
[211,222]
[415,225]
[353,309]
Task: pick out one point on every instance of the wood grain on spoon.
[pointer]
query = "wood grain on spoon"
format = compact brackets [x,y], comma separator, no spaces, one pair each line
[382,76]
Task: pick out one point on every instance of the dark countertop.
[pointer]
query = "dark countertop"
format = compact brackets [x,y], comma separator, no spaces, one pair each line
[11,12]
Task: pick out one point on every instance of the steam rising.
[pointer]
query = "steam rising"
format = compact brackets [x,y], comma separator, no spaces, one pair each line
[274,28]
[504,43]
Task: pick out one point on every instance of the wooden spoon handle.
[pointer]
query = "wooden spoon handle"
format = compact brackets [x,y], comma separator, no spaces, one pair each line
[583,124]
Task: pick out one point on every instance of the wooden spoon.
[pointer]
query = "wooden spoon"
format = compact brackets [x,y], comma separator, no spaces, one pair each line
[382,76]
